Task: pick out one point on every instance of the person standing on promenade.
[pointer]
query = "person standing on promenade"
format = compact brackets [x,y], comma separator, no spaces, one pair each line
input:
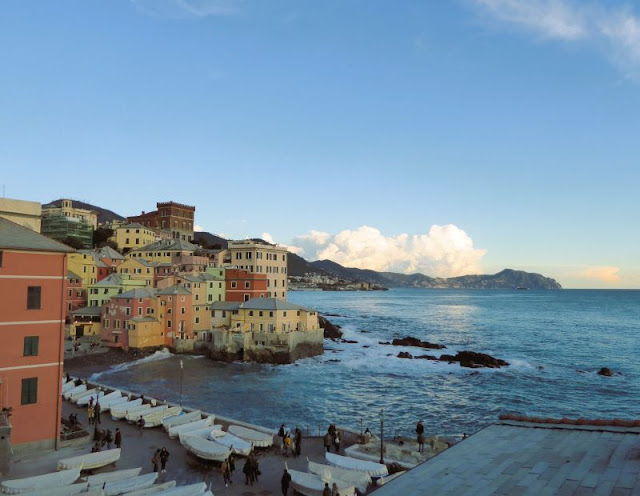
[298,441]
[232,466]
[164,456]
[327,490]
[327,440]
[334,490]
[155,459]
[90,414]
[118,438]
[284,482]
[226,472]
[96,412]
[141,423]
[281,433]
[108,438]
[420,433]
[246,470]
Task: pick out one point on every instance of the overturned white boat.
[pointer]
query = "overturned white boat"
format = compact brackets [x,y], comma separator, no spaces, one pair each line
[78,389]
[155,417]
[156,488]
[191,426]
[120,410]
[371,468]
[68,386]
[314,485]
[197,489]
[114,488]
[183,418]
[208,432]
[100,479]
[40,482]
[134,414]
[205,449]
[237,445]
[86,399]
[108,404]
[90,460]
[257,438]
[87,392]
[361,480]
[70,490]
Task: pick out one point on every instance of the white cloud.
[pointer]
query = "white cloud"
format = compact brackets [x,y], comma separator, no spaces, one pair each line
[605,274]
[184,9]
[197,228]
[269,239]
[614,30]
[445,251]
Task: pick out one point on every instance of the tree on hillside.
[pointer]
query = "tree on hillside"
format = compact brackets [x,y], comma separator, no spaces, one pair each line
[101,237]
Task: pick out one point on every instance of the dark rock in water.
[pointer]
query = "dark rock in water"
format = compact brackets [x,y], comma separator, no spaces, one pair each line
[605,371]
[473,360]
[384,342]
[404,354]
[366,346]
[411,341]
[331,331]
[447,358]
[333,360]
[364,331]
[350,341]
[425,357]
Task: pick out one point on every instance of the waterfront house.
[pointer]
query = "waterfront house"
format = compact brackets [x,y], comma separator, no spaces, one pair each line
[33,271]
[242,285]
[130,320]
[260,257]
[75,295]
[175,309]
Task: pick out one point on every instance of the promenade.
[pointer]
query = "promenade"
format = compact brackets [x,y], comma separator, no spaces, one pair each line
[183,467]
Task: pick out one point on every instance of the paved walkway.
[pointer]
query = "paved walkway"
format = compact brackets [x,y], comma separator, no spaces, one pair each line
[182,467]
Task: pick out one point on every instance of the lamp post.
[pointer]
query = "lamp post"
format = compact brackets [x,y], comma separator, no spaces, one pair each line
[382,436]
[181,369]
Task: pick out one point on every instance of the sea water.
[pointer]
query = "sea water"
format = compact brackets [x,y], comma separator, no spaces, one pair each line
[555,342]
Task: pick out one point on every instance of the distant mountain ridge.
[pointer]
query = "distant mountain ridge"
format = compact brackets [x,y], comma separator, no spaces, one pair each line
[104,215]
[505,279]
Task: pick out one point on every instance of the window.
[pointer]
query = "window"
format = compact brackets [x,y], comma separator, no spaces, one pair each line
[127,311]
[284,314]
[182,310]
[116,324]
[0,259]
[260,313]
[247,297]
[106,322]
[29,391]
[139,310]
[31,345]
[234,284]
[33,297]
[250,313]
[270,314]
[197,320]
[169,324]
[70,292]
[247,285]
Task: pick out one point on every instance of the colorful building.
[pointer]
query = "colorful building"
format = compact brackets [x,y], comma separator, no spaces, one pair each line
[241,285]
[83,263]
[33,271]
[171,220]
[133,235]
[129,320]
[111,286]
[164,251]
[216,285]
[75,295]
[61,228]
[25,213]
[176,308]
[259,257]
[138,269]
[65,208]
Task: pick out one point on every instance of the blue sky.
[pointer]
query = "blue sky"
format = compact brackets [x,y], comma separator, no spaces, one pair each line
[444,137]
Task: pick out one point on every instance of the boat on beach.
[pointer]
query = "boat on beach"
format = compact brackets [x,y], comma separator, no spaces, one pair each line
[237,445]
[85,400]
[90,460]
[120,410]
[100,479]
[257,438]
[313,485]
[70,490]
[113,488]
[155,417]
[197,489]
[134,414]
[156,488]
[75,390]
[205,449]
[183,418]
[208,432]
[40,482]
[191,426]
[361,480]
[68,386]
[106,405]
[87,392]
[108,397]
[371,468]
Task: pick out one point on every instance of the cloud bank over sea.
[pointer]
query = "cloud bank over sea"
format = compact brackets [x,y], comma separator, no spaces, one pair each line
[443,251]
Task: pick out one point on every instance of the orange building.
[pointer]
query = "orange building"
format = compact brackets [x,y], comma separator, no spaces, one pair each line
[33,272]
[242,285]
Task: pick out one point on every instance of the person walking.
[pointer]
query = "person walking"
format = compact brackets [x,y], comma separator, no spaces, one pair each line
[90,414]
[297,438]
[141,423]
[164,456]
[334,490]
[155,460]
[336,442]
[96,412]
[285,481]
[327,440]
[118,438]
[420,433]
[246,470]
[226,472]
[327,490]
[108,438]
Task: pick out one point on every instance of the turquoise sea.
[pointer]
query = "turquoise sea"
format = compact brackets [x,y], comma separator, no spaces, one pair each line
[556,341]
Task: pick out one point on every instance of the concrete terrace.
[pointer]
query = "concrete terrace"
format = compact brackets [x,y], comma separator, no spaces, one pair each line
[515,457]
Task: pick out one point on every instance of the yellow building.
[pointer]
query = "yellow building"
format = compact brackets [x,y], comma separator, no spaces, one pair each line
[163,251]
[83,264]
[264,315]
[260,257]
[138,269]
[66,209]
[24,213]
[132,236]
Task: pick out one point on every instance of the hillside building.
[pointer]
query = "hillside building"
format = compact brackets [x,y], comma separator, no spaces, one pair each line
[25,213]
[133,235]
[171,220]
[61,228]
[66,209]
[259,257]
[33,271]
